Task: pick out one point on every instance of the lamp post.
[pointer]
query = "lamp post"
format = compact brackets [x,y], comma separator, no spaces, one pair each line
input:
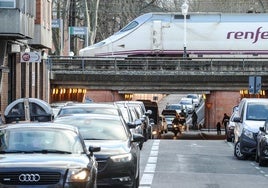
[184,10]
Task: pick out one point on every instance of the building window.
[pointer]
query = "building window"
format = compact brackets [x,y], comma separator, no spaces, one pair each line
[7,3]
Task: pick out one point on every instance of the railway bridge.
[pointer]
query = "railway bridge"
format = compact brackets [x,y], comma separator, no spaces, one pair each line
[157,74]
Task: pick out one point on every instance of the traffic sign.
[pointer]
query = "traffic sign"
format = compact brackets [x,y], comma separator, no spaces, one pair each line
[254,84]
[31,57]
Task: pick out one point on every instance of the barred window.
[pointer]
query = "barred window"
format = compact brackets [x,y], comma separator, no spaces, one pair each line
[7,3]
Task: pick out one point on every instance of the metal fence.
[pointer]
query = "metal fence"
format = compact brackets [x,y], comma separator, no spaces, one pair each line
[156,66]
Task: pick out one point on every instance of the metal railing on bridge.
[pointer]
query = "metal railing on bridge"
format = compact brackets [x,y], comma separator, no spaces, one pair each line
[158,65]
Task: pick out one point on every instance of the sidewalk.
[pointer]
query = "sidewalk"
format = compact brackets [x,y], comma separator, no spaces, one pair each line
[195,135]
[203,134]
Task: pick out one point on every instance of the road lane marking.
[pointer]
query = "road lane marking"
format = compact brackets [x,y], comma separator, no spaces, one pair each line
[152,160]
[148,174]
[146,179]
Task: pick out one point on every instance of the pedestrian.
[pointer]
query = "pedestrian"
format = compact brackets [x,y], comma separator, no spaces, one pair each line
[225,121]
[194,120]
[218,128]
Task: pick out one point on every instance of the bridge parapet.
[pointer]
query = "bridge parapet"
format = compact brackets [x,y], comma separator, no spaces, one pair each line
[159,66]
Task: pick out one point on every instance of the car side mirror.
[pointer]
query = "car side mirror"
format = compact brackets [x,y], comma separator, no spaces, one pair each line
[132,125]
[93,149]
[137,138]
[148,112]
[237,119]
[262,129]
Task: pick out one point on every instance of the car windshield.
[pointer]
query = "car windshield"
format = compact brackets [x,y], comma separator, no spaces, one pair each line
[40,141]
[174,107]
[97,129]
[257,111]
[91,110]
[169,118]
[192,96]
[186,102]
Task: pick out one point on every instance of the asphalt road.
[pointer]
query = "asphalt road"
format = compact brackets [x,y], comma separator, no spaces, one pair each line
[173,163]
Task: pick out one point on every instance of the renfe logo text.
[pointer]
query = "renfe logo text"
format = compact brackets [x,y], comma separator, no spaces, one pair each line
[255,36]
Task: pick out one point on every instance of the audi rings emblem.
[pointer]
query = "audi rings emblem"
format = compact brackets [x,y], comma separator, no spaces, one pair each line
[29,177]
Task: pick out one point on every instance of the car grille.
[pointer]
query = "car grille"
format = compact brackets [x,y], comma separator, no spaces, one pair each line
[255,136]
[101,164]
[13,178]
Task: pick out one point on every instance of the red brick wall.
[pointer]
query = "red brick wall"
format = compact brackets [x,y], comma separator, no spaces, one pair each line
[38,12]
[104,95]
[221,102]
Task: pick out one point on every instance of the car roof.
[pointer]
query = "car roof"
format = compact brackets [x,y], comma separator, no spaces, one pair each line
[254,99]
[99,105]
[41,125]
[185,98]
[90,115]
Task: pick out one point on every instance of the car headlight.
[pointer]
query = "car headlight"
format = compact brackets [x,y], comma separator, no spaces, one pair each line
[78,175]
[248,133]
[122,158]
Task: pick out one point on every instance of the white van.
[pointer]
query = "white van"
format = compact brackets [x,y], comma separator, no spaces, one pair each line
[251,114]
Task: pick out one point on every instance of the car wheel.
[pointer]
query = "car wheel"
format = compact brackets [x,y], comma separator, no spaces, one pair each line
[256,155]
[140,145]
[237,152]
[261,162]
[136,182]
[229,139]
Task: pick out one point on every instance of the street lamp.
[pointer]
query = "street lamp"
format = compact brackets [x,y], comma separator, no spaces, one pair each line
[184,10]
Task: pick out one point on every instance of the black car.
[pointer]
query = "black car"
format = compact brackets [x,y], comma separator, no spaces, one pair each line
[230,129]
[119,158]
[262,145]
[45,155]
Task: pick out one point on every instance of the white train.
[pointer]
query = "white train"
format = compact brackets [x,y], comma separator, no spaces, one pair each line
[162,34]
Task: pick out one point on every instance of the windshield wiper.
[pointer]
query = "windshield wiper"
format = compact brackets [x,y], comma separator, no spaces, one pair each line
[13,151]
[37,151]
[51,151]
[95,139]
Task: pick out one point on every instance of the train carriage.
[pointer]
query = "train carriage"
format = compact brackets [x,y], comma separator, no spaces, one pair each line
[208,34]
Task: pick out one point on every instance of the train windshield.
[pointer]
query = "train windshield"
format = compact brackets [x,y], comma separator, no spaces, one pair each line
[130,26]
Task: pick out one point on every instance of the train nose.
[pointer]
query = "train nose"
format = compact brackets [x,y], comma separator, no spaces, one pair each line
[81,52]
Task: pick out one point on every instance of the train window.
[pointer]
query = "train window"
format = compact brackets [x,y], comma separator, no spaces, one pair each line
[181,16]
[99,44]
[131,25]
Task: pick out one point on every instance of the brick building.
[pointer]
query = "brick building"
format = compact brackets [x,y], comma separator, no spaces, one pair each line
[25,32]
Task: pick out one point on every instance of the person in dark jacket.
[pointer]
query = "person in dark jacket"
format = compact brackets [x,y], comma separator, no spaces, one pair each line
[225,121]
[194,120]
[218,128]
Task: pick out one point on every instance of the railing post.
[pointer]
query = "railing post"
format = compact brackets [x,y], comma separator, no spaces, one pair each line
[211,65]
[115,65]
[83,65]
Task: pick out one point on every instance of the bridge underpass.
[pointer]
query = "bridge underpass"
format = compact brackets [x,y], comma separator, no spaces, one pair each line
[220,79]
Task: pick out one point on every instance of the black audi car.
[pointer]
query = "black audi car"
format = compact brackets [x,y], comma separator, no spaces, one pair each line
[119,158]
[262,145]
[45,155]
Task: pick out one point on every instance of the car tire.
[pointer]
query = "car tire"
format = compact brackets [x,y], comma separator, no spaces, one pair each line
[229,139]
[261,161]
[256,155]
[140,145]
[136,182]
[237,152]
